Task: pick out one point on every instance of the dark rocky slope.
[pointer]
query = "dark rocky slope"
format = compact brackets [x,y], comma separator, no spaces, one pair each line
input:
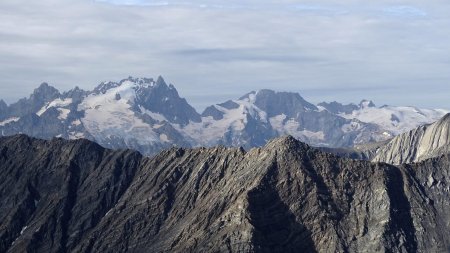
[52,193]
[61,196]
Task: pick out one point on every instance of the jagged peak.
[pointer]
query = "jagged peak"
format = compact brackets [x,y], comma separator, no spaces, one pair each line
[138,82]
[74,90]
[446,117]
[329,103]
[24,139]
[45,88]
[336,107]
[43,85]
[366,103]
[335,103]
[229,104]
[443,122]
[160,81]
[249,95]
[17,137]
[261,96]
[3,103]
[286,142]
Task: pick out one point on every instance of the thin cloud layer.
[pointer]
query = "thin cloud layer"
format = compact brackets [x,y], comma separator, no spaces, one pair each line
[216,50]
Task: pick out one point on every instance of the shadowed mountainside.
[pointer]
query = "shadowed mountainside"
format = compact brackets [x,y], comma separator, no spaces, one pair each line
[75,196]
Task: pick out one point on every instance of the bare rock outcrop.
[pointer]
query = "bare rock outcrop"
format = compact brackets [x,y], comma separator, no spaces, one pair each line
[417,145]
[74,196]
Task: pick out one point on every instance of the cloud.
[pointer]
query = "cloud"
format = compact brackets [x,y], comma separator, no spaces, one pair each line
[243,54]
[134,2]
[405,11]
[230,47]
[326,8]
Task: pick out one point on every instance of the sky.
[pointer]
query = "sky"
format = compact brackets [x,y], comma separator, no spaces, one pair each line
[392,52]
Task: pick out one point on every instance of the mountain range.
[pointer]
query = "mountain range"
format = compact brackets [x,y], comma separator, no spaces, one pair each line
[76,196]
[224,181]
[149,115]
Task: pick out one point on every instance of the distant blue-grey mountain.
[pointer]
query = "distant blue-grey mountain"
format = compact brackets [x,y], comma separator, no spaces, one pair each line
[149,115]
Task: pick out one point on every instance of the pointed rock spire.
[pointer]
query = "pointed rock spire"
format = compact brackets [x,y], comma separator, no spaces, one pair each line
[366,104]
[160,81]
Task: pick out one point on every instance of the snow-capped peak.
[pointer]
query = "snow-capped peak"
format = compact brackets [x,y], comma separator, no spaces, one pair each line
[148,114]
[249,97]
[140,82]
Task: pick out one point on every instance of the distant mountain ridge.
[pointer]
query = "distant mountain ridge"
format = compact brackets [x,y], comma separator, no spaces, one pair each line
[149,115]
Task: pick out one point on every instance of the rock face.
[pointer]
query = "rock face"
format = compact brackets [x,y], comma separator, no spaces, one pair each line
[74,196]
[54,192]
[3,109]
[417,145]
[337,108]
[164,99]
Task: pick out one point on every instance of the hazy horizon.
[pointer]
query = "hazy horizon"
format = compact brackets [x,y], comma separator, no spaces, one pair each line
[212,51]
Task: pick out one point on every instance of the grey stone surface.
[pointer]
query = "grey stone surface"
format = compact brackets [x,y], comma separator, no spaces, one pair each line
[229,105]
[3,109]
[164,99]
[337,108]
[275,103]
[61,196]
[41,95]
[212,111]
[417,145]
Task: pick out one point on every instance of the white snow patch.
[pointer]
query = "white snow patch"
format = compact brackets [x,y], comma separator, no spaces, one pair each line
[154,115]
[285,126]
[292,127]
[387,134]
[396,120]
[55,103]
[321,108]
[63,113]
[210,131]
[430,181]
[164,138]
[76,122]
[76,135]
[106,117]
[277,122]
[350,127]
[251,97]
[10,120]
[23,230]
[316,136]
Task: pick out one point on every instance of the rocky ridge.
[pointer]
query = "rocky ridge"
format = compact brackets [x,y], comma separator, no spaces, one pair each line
[75,196]
[417,145]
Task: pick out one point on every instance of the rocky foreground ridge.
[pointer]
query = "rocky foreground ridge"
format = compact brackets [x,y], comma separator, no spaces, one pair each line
[419,144]
[75,196]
